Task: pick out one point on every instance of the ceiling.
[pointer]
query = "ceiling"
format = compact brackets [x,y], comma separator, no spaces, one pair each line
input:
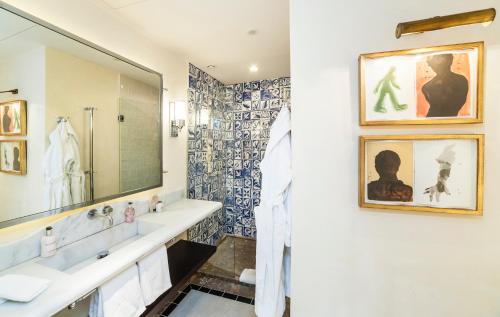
[216,32]
[19,35]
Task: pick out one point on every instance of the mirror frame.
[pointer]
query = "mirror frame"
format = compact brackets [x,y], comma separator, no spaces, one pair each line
[71,36]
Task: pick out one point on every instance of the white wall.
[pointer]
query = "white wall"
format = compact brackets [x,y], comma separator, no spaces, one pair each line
[68,92]
[25,72]
[352,262]
[86,19]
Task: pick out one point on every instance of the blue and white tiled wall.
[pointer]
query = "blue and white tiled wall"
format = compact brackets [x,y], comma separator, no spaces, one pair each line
[255,106]
[206,164]
[209,230]
[206,169]
[224,155]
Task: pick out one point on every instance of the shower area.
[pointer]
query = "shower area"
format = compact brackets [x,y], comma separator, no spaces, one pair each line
[228,131]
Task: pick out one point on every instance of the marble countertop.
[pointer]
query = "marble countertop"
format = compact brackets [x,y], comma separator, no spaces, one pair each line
[67,288]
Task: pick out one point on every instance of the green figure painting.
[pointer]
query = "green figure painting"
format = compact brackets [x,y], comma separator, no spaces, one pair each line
[386,87]
[17,121]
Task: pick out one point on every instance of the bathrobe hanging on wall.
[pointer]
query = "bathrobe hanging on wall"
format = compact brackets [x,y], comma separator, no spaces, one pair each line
[65,181]
[272,219]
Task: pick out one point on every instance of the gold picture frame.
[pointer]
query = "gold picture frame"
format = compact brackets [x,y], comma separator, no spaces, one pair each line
[424,168]
[467,58]
[12,161]
[17,118]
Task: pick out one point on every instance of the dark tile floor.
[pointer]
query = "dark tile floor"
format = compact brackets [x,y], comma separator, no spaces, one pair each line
[190,287]
[234,254]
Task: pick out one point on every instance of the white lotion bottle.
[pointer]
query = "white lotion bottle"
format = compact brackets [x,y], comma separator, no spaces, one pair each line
[159,206]
[48,243]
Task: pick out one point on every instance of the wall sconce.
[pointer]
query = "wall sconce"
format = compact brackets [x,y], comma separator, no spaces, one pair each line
[442,22]
[177,117]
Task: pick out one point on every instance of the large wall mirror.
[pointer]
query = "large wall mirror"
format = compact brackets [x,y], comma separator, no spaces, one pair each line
[78,124]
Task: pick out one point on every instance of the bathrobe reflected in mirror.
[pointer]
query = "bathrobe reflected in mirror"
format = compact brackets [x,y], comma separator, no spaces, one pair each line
[273,222]
[64,178]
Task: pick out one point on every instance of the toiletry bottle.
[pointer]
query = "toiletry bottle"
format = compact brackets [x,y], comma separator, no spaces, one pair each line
[48,243]
[159,206]
[129,213]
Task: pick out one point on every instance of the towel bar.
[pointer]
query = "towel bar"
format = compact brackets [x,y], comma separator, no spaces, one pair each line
[73,305]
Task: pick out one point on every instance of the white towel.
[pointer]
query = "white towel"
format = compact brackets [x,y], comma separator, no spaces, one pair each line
[21,288]
[120,297]
[248,276]
[2,301]
[154,275]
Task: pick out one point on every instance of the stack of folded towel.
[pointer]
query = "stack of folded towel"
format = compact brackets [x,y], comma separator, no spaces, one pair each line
[21,288]
[127,294]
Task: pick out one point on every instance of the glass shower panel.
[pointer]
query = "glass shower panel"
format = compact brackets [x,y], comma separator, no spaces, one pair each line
[139,139]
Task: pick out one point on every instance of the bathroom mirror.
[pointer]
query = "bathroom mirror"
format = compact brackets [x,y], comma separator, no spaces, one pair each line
[78,124]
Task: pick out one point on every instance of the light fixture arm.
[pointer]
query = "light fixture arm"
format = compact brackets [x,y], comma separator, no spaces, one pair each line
[447,21]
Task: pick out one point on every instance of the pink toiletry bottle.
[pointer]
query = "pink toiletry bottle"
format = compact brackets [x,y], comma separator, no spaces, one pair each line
[129,213]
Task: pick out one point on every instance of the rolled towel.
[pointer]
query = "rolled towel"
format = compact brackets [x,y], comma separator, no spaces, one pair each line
[248,276]
[154,275]
[21,288]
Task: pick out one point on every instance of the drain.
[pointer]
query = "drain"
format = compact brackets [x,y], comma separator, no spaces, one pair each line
[102,254]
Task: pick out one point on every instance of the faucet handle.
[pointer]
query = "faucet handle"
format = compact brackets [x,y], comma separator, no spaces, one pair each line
[107,210]
[92,214]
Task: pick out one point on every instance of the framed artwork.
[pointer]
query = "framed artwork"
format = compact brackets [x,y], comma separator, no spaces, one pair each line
[433,173]
[13,157]
[434,85]
[13,118]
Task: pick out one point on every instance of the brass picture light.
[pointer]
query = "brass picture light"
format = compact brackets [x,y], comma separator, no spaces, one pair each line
[447,21]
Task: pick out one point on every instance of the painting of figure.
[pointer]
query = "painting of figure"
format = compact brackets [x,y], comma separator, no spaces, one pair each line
[445,160]
[386,87]
[13,157]
[443,86]
[446,173]
[433,173]
[432,85]
[390,171]
[13,118]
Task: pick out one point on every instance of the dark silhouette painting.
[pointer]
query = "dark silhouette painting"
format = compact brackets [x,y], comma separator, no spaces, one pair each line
[447,91]
[388,187]
[16,164]
[6,120]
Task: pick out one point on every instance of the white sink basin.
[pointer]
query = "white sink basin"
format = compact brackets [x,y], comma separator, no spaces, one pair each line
[78,255]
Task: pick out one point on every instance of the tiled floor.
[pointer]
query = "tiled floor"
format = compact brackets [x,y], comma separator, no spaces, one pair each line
[199,304]
[234,254]
[197,300]
[218,281]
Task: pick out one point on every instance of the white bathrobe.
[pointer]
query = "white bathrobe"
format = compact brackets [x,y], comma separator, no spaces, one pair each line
[273,221]
[64,178]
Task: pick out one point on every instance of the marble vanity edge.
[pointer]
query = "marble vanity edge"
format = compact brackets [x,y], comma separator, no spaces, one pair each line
[73,228]
[58,297]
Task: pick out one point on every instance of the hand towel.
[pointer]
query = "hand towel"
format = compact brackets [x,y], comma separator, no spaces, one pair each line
[154,275]
[119,297]
[21,288]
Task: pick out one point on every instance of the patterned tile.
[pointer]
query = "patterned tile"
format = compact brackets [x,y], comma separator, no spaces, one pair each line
[224,155]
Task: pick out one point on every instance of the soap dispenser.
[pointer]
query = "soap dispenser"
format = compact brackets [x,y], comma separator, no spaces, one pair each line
[48,243]
[130,213]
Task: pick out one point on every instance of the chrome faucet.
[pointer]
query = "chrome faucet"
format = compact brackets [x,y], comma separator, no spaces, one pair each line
[106,213]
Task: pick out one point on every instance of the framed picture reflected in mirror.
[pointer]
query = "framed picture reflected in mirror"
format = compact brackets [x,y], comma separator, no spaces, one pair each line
[13,157]
[13,118]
